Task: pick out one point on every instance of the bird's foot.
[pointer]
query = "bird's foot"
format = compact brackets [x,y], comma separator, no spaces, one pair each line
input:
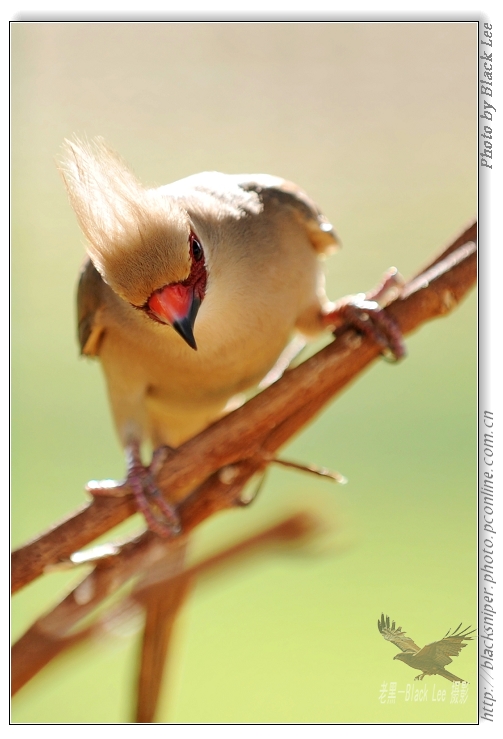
[160,515]
[365,313]
[420,677]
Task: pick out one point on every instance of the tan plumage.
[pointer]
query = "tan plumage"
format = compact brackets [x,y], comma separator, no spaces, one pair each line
[261,237]
[432,658]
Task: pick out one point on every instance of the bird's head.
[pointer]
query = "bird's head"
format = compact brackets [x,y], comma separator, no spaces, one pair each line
[141,241]
[178,301]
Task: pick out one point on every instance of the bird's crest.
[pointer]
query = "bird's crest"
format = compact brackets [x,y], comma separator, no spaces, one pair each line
[130,228]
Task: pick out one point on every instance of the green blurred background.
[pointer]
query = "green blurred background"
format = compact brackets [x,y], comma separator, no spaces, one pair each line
[377,121]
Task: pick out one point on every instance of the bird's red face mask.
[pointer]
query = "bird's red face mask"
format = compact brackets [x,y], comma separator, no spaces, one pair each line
[177,304]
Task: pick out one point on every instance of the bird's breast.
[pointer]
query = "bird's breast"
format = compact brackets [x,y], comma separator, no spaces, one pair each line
[245,321]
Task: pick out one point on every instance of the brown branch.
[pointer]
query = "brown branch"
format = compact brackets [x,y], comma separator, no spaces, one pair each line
[164,578]
[50,634]
[161,610]
[36,649]
[246,438]
[163,596]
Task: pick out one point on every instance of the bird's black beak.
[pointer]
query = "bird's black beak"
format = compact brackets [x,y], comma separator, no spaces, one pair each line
[177,306]
[185,326]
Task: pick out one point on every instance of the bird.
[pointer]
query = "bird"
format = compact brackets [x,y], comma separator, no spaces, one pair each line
[189,294]
[432,658]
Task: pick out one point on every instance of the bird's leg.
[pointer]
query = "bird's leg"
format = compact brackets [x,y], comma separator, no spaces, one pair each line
[420,677]
[365,313]
[140,482]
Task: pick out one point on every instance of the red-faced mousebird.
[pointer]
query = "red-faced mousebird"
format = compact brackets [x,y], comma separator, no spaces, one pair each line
[190,293]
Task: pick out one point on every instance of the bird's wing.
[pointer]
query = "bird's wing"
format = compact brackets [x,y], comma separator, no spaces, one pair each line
[274,190]
[440,652]
[89,303]
[395,635]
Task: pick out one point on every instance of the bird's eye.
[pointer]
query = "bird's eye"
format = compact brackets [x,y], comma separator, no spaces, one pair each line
[196,248]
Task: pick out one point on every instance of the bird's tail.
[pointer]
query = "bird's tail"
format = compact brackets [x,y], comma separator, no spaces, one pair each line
[450,676]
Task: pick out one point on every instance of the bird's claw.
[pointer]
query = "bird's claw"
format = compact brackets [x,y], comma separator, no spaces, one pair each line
[148,498]
[370,319]
[160,515]
[365,313]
